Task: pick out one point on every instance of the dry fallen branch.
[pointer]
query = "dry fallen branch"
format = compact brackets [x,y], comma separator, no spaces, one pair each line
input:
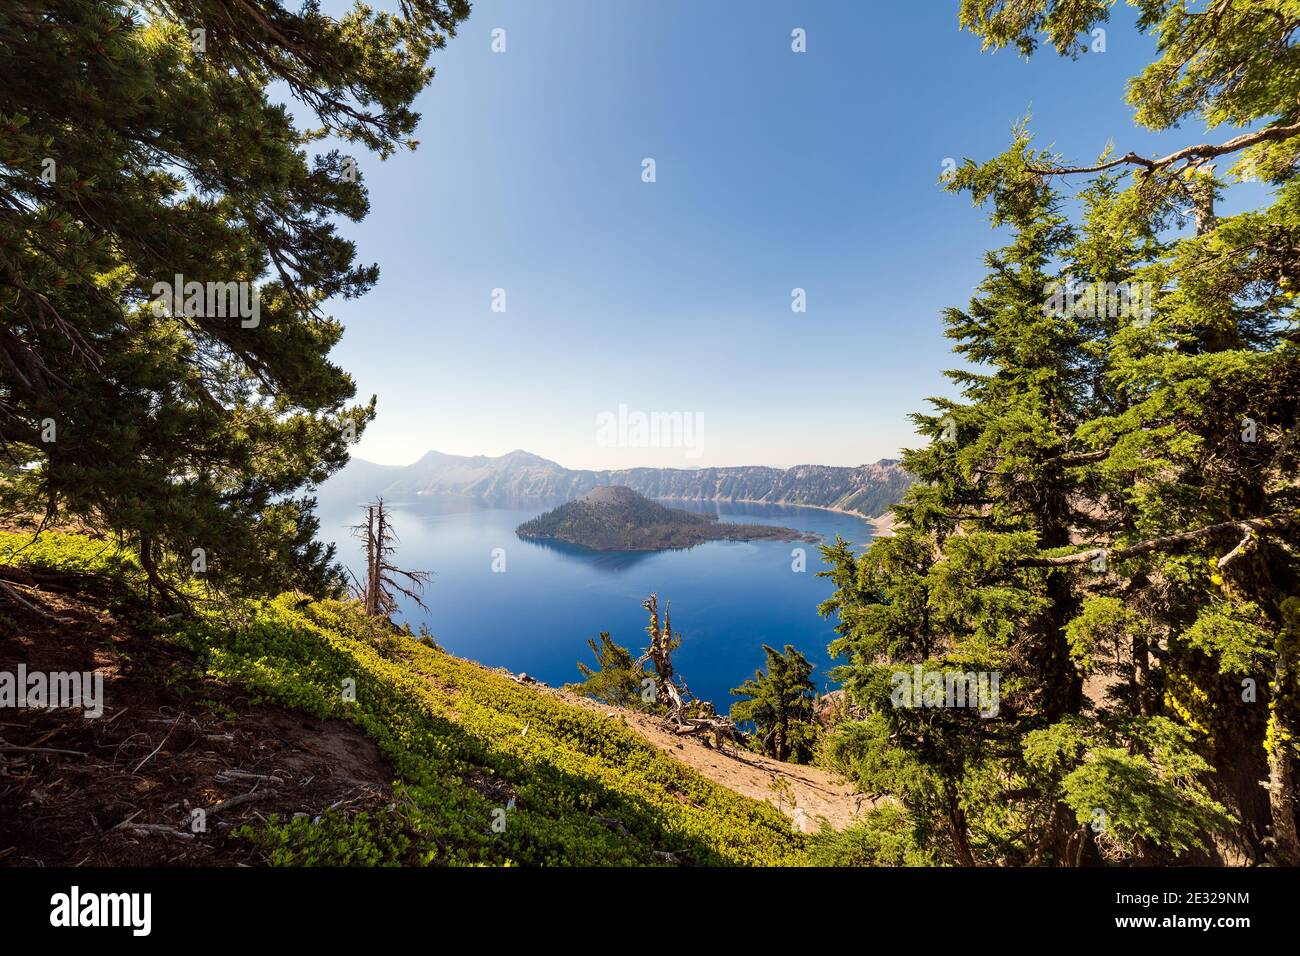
[8,591]
[613,824]
[1243,546]
[159,747]
[120,824]
[230,776]
[720,728]
[13,748]
[158,829]
[238,801]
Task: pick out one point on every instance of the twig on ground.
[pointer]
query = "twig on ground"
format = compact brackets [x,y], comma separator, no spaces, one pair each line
[238,801]
[159,747]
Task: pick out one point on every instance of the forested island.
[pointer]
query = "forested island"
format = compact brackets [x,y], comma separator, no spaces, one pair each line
[616,518]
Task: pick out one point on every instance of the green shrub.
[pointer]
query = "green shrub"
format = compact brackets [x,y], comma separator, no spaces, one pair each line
[486,771]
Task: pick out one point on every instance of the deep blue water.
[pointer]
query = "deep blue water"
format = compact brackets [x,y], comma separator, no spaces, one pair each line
[728,598]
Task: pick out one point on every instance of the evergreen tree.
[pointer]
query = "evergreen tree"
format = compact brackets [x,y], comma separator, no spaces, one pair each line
[1203,453]
[616,680]
[781,705]
[1116,503]
[138,147]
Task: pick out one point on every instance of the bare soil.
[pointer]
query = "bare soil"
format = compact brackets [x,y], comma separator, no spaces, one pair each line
[808,795]
[121,789]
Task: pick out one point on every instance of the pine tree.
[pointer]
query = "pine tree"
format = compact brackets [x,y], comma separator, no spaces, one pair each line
[780,704]
[957,597]
[1114,500]
[616,680]
[136,147]
[1203,453]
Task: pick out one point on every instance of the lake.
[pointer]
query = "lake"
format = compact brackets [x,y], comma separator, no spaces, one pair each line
[728,598]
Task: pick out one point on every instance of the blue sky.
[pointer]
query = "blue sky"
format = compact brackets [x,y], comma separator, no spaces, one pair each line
[775,170]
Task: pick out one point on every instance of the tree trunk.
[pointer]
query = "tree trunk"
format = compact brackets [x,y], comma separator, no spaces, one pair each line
[372,565]
[1281,738]
[1141,675]
[958,831]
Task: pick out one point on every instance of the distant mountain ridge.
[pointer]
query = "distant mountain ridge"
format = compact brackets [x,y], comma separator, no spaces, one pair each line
[521,478]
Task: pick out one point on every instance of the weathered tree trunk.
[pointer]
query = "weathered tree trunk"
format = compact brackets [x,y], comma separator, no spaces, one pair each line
[1202,191]
[376,580]
[371,601]
[147,565]
[1280,739]
[660,655]
[1141,674]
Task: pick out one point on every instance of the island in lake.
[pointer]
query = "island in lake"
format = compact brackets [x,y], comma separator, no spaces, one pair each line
[616,518]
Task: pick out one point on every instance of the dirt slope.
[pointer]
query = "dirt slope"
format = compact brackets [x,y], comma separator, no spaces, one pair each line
[805,794]
[121,789]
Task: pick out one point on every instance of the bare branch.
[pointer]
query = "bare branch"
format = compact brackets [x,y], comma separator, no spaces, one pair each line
[1170,542]
[1201,151]
[1244,545]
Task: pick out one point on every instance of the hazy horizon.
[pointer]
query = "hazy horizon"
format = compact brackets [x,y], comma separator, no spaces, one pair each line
[686,467]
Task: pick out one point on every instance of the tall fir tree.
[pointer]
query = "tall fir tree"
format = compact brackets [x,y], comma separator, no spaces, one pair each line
[1041,775]
[1201,463]
[780,703]
[140,148]
[1108,518]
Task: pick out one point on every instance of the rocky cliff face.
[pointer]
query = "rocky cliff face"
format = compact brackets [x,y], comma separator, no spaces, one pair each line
[866,489]
[520,478]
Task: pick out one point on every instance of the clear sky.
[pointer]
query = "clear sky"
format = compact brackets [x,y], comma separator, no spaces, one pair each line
[774,171]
